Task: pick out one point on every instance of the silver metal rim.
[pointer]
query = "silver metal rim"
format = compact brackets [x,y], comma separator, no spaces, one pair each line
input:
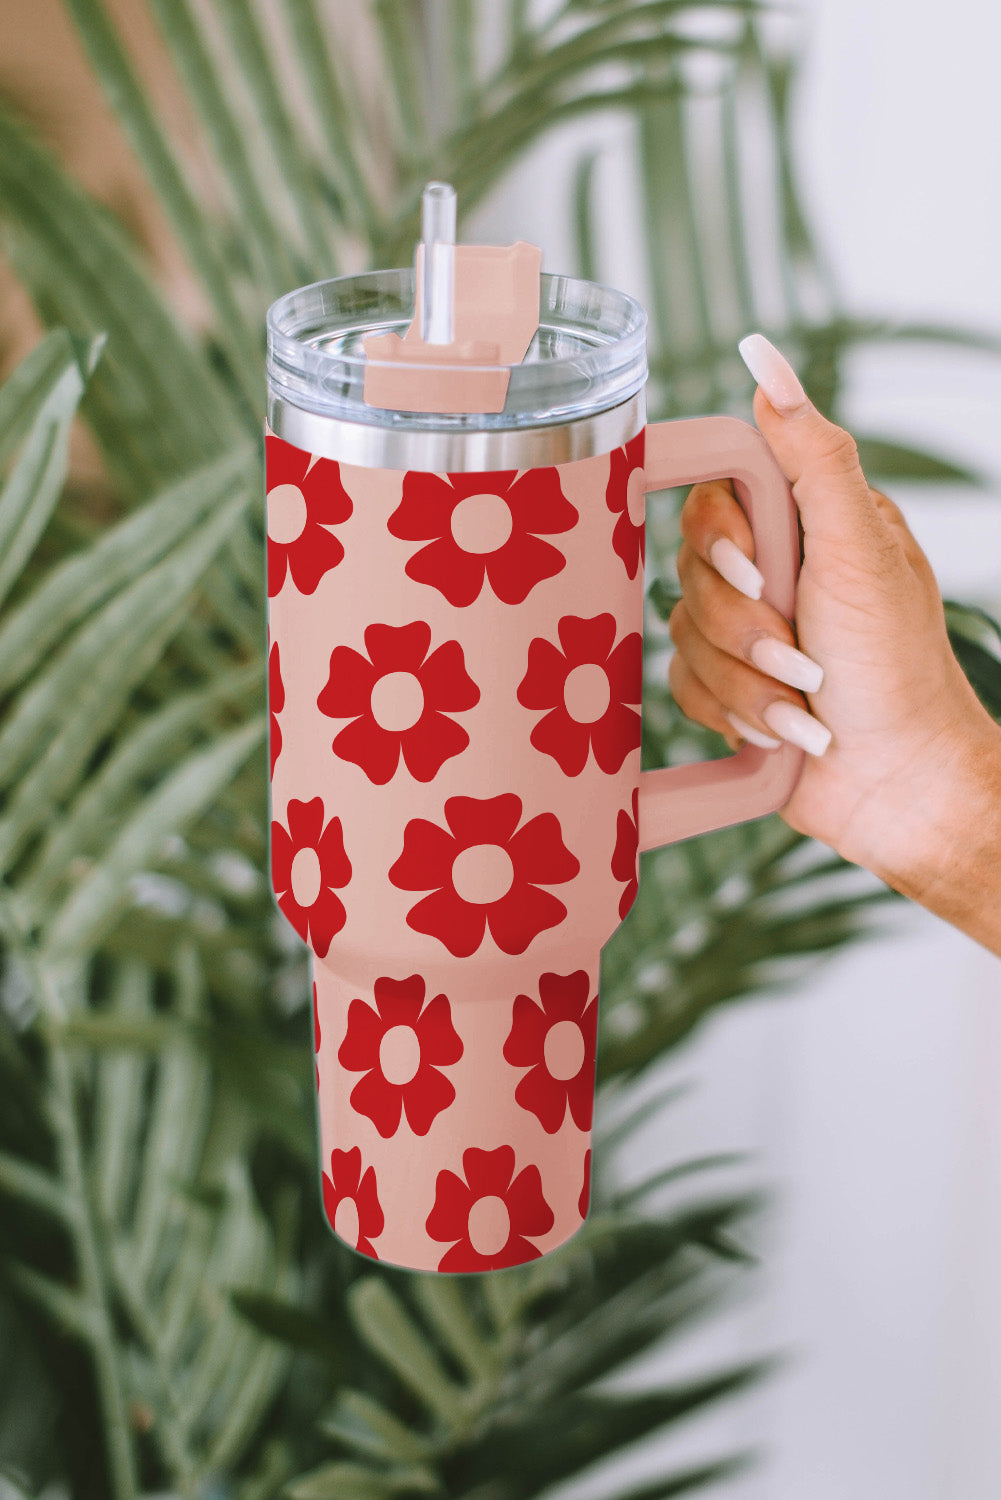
[382,447]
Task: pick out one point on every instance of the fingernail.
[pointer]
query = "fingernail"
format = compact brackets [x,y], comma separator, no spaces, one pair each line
[783,661]
[748,732]
[731,564]
[773,372]
[797,726]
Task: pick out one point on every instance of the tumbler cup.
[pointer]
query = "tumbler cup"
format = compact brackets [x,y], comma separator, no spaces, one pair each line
[457,805]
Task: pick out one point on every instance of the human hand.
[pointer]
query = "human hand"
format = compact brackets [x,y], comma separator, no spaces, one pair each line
[901,752]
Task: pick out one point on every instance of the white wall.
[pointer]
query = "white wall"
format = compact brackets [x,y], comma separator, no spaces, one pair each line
[873,1098]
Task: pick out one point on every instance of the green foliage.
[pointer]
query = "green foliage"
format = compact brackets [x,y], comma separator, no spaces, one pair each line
[178,1316]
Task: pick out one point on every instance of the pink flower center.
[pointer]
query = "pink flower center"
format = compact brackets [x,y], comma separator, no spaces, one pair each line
[564,1049]
[586,692]
[636,497]
[305,877]
[482,874]
[286,513]
[481,523]
[399,1054]
[346,1221]
[397,700]
[489,1225]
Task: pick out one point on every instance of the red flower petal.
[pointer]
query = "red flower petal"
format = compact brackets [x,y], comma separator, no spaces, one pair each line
[625,669]
[400,1000]
[580,1094]
[398,648]
[370,1215]
[432,741]
[326,918]
[449,1217]
[490,820]
[380,1101]
[334,864]
[345,1169]
[630,543]
[285,463]
[586,640]
[360,1047]
[538,503]
[456,574]
[424,1097]
[454,922]
[445,681]
[530,1213]
[519,565]
[327,501]
[538,852]
[348,689]
[427,858]
[544,679]
[518,918]
[543,1096]
[366,744]
[312,555]
[527,1038]
[488,1173]
[440,1042]
[565,997]
[616,733]
[425,509]
[305,822]
[564,739]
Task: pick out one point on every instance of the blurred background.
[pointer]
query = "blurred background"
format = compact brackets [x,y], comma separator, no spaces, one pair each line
[860,1086]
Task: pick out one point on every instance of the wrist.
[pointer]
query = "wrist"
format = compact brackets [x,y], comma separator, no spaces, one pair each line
[947,853]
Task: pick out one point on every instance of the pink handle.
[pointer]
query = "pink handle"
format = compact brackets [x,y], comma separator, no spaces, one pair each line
[679,802]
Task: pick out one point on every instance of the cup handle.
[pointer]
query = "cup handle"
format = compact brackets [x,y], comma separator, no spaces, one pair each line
[679,802]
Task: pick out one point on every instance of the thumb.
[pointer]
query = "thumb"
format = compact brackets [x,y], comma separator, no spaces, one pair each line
[819,459]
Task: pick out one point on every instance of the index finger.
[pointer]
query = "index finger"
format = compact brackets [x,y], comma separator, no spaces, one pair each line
[714,525]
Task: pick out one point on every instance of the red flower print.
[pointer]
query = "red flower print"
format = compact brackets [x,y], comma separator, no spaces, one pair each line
[557,1041]
[628,536]
[307,862]
[488,1215]
[481,872]
[625,859]
[397,1045]
[584,1201]
[301,506]
[351,1201]
[276,702]
[316,1033]
[483,526]
[586,688]
[394,699]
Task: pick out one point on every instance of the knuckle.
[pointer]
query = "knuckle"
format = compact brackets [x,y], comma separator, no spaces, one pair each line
[677,623]
[837,449]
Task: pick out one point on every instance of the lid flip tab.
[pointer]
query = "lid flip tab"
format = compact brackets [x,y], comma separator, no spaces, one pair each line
[477,307]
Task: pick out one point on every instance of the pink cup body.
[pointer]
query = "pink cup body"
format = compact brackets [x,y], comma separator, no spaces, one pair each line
[455,691]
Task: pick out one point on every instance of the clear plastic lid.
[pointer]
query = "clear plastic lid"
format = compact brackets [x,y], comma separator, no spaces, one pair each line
[588,355]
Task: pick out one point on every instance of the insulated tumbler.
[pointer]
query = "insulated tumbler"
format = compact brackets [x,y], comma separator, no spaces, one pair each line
[455,603]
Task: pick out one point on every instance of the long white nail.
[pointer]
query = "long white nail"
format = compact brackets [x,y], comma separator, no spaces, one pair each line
[773,372]
[731,564]
[748,732]
[783,661]
[797,726]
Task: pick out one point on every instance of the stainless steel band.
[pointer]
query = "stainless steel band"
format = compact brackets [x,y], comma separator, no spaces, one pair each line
[375,447]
